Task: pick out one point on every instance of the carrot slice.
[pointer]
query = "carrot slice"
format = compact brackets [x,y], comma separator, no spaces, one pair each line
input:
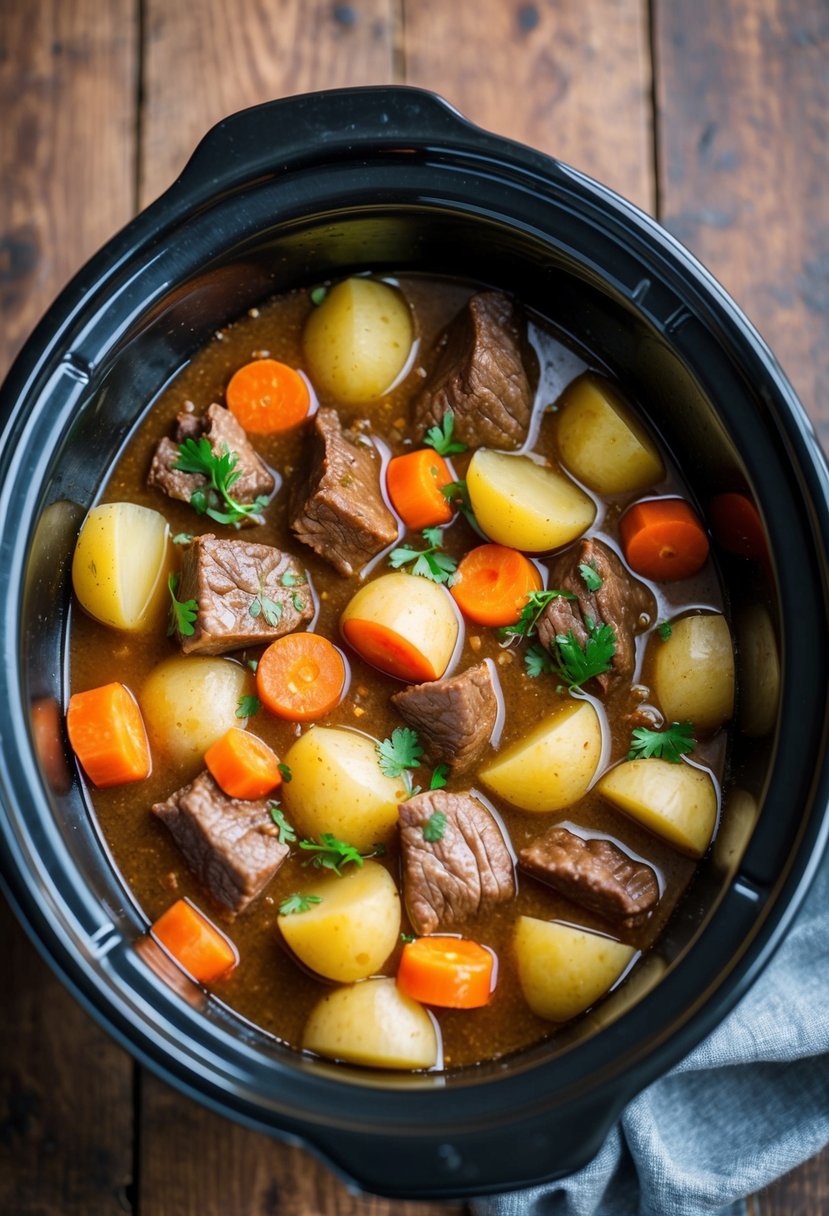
[195,942]
[300,677]
[107,734]
[243,765]
[266,397]
[663,539]
[414,483]
[492,584]
[447,971]
[737,527]
[388,650]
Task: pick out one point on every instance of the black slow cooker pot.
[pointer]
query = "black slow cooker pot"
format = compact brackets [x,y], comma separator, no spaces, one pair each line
[292,193]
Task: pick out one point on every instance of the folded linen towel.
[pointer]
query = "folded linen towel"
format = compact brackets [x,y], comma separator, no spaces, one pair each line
[748,1104]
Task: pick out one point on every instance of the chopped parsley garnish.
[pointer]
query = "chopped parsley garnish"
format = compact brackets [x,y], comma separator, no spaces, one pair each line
[590,576]
[457,493]
[428,563]
[298,903]
[577,664]
[298,602]
[329,853]
[263,605]
[317,295]
[434,827]
[286,772]
[291,579]
[182,615]
[440,437]
[407,937]
[183,538]
[248,706]
[287,835]
[252,664]
[665,630]
[537,661]
[400,753]
[676,741]
[439,777]
[526,624]
[215,499]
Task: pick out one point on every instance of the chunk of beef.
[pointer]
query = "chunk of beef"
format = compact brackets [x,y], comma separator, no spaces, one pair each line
[454,718]
[231,846]
[339,511]
[245,594]
[466,871]
[480,376]
[593,873]
[224,434]
[621,602]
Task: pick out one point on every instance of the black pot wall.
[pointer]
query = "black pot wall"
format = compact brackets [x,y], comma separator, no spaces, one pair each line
[392,179]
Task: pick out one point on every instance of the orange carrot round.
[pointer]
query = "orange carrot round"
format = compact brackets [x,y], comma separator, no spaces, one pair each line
[266,397]
[737,527]
[107,734]
[243,765]
[195,942]
[414,482]
[388,650]
[663,539]
[447,971]
[300,677]
[493,583]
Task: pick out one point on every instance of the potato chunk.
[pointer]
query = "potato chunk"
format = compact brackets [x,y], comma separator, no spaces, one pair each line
[759,664]
[121,564]
[601,443]
[564,970]
[676,801]
[526,505]
[403,624]
[553,765]
[372,1023]
[189,703]
[358,340]
[693,672]
[351,932]
[336,786]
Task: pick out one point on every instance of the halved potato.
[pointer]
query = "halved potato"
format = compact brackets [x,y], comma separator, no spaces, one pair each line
[693,672]
[351,932]
[403,624]
[525,505]
[358,340]
[676,801]
[189,703]
[336,786]
[122,560]
[372,1023]
[563,970]
[553,765]
[600,441]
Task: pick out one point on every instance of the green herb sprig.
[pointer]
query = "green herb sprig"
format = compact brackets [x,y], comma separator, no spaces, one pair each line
[672,743]
[298,903]
[440,437]
[287,834]
[197,456]
[428,563]
[400,753]
[329,853]
[183,615]
[537,601]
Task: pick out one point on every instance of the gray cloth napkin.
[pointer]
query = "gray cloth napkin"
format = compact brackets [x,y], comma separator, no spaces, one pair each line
[747,1105]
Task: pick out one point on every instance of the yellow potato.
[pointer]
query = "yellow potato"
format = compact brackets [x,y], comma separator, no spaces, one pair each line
[676,801]
[353,930]
[693,672]
[759,665]
[121,564]
[372,1023]
[601,443]
[403,624]
[336,786]
[525,505]
[358,340]
[552,766]
[189,703]
[564,970]
[739,817]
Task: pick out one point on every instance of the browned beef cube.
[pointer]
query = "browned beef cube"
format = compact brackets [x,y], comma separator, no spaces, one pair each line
[224,434]
[246,594]
[231,846]
[339,511]
[480,376]
[454,718]
[455,861]
[621,601]
[593,873]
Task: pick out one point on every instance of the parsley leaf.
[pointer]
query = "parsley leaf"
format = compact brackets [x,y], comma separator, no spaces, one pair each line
[298,602]
[526,624]
[428,563]
[457,494]
[672,744]
[269,609]
[399,753]
[439,777]
[197,456]
[537,661]
[287,775]
[330,853]
[183,538]
[317,295]
[287,835]
[577,664]
[407,937]
[440,437]
[590,576]
[248,706]
[434,827]
[665,630]
[182,615]
[291,579]
[298,903]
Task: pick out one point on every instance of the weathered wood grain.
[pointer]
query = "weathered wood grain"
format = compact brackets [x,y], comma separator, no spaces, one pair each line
[803,1192]
[206,61]
[743,127]
[571,77]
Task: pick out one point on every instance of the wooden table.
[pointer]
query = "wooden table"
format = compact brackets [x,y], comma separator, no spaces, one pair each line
[711,114]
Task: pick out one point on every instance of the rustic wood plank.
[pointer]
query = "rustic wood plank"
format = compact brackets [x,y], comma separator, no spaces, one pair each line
[743,124]
[570,77]
[200,67]
[803,1192]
